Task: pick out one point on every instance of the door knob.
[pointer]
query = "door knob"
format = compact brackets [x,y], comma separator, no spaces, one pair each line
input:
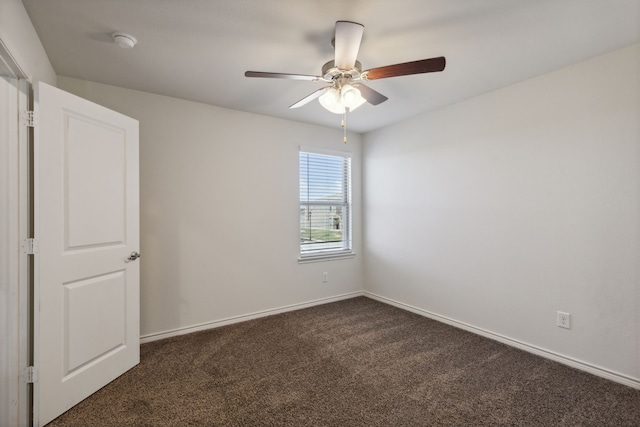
[134,256]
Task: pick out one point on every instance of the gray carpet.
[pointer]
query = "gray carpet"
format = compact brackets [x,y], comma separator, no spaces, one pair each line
[351,363]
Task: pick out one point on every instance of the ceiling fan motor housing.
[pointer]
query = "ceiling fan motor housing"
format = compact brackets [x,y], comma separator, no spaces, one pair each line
[330,72]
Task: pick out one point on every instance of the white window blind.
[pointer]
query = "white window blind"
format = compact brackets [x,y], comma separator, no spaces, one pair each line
[325,204]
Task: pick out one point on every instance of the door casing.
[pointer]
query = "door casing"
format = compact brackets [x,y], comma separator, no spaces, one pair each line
[15,182]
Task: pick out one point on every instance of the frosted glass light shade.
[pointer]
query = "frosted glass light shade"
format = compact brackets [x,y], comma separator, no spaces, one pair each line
[331,101]
[350,96]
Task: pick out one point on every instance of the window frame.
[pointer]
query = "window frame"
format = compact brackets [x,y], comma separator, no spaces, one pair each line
[315,255]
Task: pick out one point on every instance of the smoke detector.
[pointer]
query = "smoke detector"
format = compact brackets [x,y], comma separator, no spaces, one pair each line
[124,40]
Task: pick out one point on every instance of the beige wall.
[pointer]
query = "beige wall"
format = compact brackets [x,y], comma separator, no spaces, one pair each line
[20,39]
[219,210]
[503,209]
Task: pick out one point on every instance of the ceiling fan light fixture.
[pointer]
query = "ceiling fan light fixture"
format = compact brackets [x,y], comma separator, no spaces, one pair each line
[345,76]
[337,100]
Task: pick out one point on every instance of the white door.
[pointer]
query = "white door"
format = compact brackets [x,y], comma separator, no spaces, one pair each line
[86,225]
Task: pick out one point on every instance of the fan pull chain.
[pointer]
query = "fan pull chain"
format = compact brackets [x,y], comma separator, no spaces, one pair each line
[344,124]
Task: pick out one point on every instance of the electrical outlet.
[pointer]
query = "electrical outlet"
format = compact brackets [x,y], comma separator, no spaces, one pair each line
[325,277]
[564,320]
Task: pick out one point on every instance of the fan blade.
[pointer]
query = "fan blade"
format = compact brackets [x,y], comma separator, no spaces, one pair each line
[281,76]
[347,43]
[372,97]
[307,99]
[406,68]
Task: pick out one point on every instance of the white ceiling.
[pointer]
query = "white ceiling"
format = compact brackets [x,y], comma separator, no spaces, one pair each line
[199,49]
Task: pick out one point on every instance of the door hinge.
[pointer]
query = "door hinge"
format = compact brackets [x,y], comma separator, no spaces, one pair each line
[30,246]
[31,375]
[29,118]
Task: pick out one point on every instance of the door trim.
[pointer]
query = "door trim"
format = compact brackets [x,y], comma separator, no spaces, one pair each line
[16,406]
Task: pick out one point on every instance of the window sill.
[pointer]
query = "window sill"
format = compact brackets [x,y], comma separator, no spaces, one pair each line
[305,259]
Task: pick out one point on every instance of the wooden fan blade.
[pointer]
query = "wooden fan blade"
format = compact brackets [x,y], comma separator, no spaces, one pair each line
[372,97]
[406,68]
[347,43]
[281,76]
[307,99]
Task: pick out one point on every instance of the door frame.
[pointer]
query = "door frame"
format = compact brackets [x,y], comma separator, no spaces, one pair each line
[17,408]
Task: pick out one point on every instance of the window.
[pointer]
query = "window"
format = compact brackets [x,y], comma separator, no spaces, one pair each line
[325,204]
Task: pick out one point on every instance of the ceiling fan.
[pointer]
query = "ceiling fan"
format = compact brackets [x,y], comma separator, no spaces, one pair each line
[344,74]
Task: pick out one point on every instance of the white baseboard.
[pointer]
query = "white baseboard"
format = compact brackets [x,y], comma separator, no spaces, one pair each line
[242,318]
[574,363]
